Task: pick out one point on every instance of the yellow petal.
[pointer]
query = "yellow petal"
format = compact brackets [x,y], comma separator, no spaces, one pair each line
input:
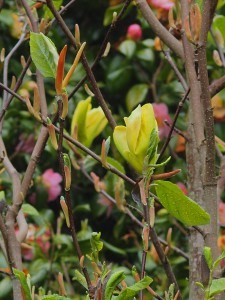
[79,118]
[133,125]
[95,123]
[119,136]
[148,123]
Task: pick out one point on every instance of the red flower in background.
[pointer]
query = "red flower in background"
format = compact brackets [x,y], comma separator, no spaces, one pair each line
[51,181]
[182,187]
[222,213]
[34,238]
[161,114]
[161,4]
[134,32]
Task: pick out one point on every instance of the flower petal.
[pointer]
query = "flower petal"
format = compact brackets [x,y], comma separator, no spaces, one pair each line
[133,123]
[79,118]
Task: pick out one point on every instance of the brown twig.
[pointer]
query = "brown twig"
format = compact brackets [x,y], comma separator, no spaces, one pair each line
[180,105]
[103,46]
[159,29]
[87,68]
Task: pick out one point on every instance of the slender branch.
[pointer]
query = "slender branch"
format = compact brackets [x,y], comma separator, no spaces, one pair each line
[159,29]
[18,84]
[87,68]
[176,70]
[217,85]
[33,21]
[180,105]
[102,47]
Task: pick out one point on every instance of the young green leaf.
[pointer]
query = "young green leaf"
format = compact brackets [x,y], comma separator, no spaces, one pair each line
[96,245]
[80,278]
[208,256]
[131,291]
[171,291]
[44,54]
[180,206]
[136,95]
[217,286]
[113,281]
[128,48]
[23,281]
[217,261]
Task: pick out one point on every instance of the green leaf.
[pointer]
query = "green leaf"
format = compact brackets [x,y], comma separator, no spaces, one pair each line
[47,13]
[2,195]
[44,54]
[127,48]
[217,261]
[30,210]
[96,245]
[180,206]
[131,291]
[80,278]
[171,291]
[115,164]
[220,4]
[145,54]
[219,23]
[208,256]
[113,281]
[136,95]
[115,249]
[23,281]
[54,297]
[217,286]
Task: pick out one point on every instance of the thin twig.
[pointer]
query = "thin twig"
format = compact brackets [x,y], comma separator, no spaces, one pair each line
[180,105]
[102,47]
[87,68]
[175,68]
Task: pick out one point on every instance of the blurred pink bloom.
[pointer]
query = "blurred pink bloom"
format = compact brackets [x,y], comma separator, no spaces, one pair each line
[34,239]
[26,144]
[134,32]
[222,213]
[163,4]
[51,181]
[161,114]
[182,187]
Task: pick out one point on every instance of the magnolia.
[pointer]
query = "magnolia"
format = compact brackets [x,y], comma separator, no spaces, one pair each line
[87,123]
[133,140]
[134,32]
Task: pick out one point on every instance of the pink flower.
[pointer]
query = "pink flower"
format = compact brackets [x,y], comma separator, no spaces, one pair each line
[134,32]
[161,114]
[222,213]
[163,4]
[51,181]
[35,239]
[182,187]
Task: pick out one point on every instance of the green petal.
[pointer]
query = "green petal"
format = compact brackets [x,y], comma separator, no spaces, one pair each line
[79,118]
[95,123]
[133,123]
[119,136]
[120,139]
[148,123]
